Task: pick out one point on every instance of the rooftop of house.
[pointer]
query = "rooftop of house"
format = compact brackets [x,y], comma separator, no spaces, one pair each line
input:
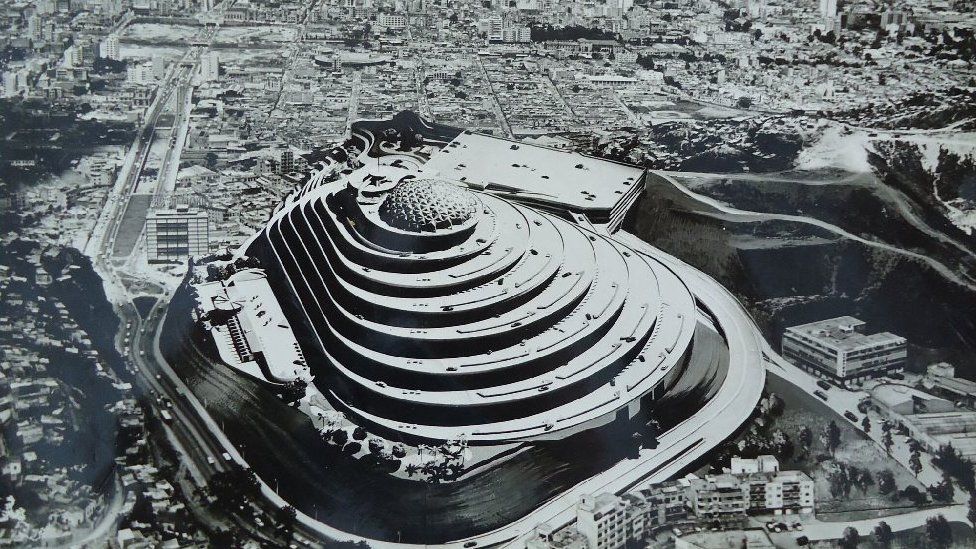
[844,333]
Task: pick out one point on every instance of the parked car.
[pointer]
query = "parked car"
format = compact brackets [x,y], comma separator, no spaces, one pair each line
[850,415]
[823,385]
[821,395]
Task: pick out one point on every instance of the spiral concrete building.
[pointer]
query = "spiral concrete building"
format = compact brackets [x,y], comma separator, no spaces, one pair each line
[441,312]
[474,301]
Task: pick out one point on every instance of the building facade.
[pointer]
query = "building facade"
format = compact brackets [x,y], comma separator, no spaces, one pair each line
[175,235]
[605,521]
[609,521]
[839,349]
[391,21]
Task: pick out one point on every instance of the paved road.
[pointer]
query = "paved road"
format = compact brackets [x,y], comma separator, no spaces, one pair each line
[727,213]
[891,196]
[817,530]
[496,104]
[859,179]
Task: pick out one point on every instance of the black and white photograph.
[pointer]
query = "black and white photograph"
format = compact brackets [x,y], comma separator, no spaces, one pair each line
[488,274]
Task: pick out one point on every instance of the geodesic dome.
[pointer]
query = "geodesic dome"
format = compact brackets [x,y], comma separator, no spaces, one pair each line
[425,205]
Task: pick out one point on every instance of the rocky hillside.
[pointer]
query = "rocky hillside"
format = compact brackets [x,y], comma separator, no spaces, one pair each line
[788,273]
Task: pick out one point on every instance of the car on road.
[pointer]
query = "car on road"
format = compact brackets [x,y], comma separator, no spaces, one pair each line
[210,460]
[821,395]
[226,456]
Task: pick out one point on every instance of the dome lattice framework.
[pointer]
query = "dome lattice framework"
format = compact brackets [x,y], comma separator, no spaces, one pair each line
[419,205]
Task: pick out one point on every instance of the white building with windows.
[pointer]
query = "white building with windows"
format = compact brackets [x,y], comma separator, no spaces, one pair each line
[391,21]
[175,235]
[109,48]
[839,348]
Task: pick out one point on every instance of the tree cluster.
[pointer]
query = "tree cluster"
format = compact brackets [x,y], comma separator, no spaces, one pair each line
[956,466]
[233,488]
[845,477]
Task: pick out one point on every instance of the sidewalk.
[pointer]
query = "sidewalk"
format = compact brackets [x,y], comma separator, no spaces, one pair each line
[820,530]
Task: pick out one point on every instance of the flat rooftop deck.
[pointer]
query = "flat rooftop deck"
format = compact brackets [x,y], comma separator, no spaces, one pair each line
[569,179]
[844,333]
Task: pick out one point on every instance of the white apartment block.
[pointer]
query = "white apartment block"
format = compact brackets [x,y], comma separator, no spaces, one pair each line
[109,48]
[391,21]
[175,235]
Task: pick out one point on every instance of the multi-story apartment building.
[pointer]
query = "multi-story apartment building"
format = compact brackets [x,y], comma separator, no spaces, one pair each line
[517,34]
[175,235]
[109,48]
[665,504]
[495,28]
[605,521]
[391,21]
[786,492]
[839,349]
[287,164]
[755,486]
[720,497]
